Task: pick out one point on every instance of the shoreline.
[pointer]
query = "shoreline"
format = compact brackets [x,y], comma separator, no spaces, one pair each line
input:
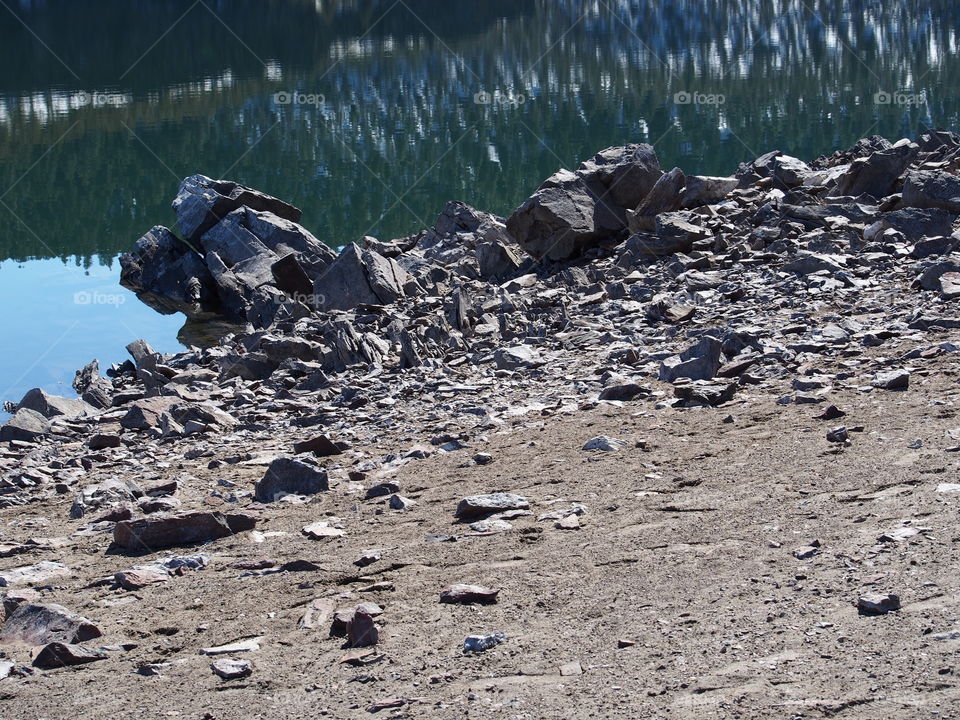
[573,357]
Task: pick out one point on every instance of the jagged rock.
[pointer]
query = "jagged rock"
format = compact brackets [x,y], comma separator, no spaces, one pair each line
[147,413]
[359,277]
[517,356]
[950,285]
[558,221]
[26,426]
[604,444]
[321,446]
[163,531]
[51,406]
[477,506]
[362,631]
[624,392]
[481,643]
[39,624]
[700,361]
[932,189]
[139,578]
[93,389]
[704,392]
[786,171]
[287,476]
[892,380]
[623,175]
[705,190]
[876,174]
[168,274]
[201,203]
[56,655]
[877,604]
[664,197]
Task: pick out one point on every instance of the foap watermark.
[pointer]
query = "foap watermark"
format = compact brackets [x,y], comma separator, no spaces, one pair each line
[688,97]
[294,97]
[102,98]
[498,98]
[899,98]
[87,297]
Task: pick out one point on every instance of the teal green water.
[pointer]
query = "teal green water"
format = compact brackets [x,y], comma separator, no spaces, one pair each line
[365,113]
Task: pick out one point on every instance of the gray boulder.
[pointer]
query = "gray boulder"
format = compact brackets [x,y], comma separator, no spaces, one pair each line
[623,175]
[664,197]
[26,425]
[877,174]
[167,274]
[705,190]
[932,189]
[201,203]
[51,406]
[39,624]
[359,277]
[700,361]
[287,476]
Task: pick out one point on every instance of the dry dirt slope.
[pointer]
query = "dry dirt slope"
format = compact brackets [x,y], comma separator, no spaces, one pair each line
[686,549]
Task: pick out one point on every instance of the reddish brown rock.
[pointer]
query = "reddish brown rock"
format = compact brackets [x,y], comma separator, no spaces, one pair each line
[163,531]
[468,595]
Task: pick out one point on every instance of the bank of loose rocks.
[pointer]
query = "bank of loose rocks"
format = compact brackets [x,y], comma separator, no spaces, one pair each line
[617,285]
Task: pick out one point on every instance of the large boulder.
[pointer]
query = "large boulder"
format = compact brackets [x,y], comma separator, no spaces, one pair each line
[39,624]
[557,222]
[288,476]
[25,425]
[162,531]
[700,361]
[664,197]
[877,174]
[51,406]
[167,274]
[201,203]
[932,189]
[574,212]
[359,277]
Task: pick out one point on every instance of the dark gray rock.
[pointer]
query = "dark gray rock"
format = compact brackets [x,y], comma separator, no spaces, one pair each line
[51,406]
[163,531]
[287,476]
[482,505]
[877,174]
[168,274]
[359,277]
[623,175]
[664,197]
[57,655]
[892,380]
[932,189]
[877,604]
[700,361]
[201,203]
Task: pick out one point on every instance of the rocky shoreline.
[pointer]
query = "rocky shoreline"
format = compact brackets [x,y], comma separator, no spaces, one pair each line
[615,288]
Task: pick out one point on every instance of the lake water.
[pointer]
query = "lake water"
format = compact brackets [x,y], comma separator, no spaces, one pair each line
[370,114]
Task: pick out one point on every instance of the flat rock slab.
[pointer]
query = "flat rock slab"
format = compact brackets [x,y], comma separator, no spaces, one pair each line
[232,669]
[468,595]
[893,380]
[163,531]
[42,572]
[139,578]
[56,655]
[249,645]
[39,624]
[604,443]
[322,531]
[477,506]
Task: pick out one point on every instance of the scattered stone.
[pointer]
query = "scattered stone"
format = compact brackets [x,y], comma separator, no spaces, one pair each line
[41,573]
[229,669]
[322,531]
[287,476]
[604,443]
[240,646]
[477,506]
[163,531]
[481,643]
[139,578]
[362,631]
[399,502]
[877,604]
[468,595]
[56,655]
[893,380]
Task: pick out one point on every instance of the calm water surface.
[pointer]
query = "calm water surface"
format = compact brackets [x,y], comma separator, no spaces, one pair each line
[370,114]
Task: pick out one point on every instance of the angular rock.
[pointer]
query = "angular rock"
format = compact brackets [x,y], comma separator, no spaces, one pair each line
[477,506]
[51,406]
[705,190]
[56,655]
[700,361]
[892,380]
[147,413]
[168,274]
[228,669]
[201,203]
[604,443]
[362,631]
[877,604]
[931,189]
[287,476]
[481,643]
[664,197]
[25,426]
[163,531]
[139,578]
[41,573]
[704,392]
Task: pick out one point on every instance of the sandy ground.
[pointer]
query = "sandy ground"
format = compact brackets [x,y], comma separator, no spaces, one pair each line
[686,550]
